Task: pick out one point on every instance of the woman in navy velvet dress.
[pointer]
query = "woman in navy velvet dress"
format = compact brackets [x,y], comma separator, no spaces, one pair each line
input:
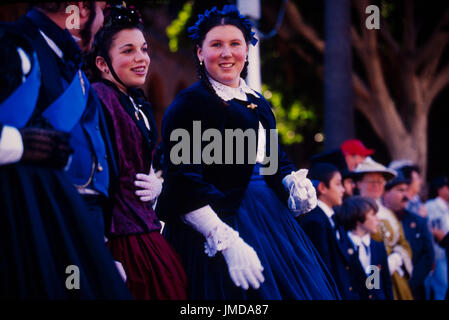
[119,62]
[228,217]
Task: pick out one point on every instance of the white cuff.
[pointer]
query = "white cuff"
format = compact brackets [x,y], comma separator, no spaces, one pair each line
[11,145]
[218,234]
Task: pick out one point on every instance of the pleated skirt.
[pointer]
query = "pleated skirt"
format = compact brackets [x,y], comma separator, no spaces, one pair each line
[154,270]
[292,267]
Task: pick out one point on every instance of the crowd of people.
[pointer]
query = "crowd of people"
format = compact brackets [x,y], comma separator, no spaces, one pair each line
[86,186]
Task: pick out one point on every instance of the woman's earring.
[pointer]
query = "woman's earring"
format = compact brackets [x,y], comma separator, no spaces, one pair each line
[201,62]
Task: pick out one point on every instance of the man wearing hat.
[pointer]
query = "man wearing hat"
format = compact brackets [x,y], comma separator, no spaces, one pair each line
[416,232]
[355,152]
[413,173]
[326,233]
[438,223]
[371,178]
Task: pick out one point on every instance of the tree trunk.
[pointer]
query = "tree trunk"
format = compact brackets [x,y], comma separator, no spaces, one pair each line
[338,95]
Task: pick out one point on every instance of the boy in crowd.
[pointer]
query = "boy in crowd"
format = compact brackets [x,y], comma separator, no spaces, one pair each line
[358,215]
[321,227]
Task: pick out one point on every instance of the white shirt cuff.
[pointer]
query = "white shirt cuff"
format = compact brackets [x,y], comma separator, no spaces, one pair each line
[11,146]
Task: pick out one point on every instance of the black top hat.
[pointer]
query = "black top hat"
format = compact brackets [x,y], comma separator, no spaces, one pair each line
[334,157]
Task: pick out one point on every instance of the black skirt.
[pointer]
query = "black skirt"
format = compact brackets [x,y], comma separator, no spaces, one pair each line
[49,247]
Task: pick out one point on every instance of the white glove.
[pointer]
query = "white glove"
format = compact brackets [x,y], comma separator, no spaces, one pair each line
[243,263]
[151,186]
[395,263]
[302,197]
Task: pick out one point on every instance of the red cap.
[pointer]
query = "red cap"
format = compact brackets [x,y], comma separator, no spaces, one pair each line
[355,146]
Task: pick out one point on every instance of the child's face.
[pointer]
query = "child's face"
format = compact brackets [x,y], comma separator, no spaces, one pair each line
[333,196]
[371,222]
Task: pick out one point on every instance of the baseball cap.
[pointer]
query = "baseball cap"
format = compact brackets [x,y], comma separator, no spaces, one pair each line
[355,146]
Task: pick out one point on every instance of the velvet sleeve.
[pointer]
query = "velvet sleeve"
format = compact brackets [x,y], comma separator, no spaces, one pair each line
[185,188]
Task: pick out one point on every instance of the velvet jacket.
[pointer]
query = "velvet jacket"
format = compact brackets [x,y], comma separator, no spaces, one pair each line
[133,144]
[88,165]
[189,186]
[378,259]
[332,250]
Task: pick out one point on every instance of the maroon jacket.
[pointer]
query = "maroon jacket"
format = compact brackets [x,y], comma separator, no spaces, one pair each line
[133,145]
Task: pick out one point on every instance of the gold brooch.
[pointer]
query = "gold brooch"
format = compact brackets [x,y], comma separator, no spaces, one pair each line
[350,251]
[252,106]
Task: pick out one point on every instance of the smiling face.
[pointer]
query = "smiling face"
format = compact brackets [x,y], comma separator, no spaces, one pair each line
[223,53]
[372,185]
[129,58]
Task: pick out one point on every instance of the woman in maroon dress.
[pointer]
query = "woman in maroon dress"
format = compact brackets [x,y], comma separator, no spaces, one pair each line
[119,63]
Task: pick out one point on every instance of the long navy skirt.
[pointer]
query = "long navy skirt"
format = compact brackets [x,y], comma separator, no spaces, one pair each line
[49,245]
[292,267]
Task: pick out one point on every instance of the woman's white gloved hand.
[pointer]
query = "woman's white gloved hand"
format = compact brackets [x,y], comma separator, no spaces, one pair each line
[302,196]
[243,263]
[151,186]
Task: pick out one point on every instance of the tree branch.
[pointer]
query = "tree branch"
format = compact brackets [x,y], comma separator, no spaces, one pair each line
[440,81]
[409,30]
[436,40]
[297,23]
[388,38]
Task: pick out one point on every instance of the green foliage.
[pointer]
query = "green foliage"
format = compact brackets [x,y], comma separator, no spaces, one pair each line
[178,25]
[387,8]
[290,118]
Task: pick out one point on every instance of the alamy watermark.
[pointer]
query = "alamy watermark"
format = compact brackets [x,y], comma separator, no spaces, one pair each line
[73,20]
[73,280]
[188,149]
[373,280]
[373,20]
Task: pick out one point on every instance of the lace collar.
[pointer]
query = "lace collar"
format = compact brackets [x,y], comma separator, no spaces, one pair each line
[228,93]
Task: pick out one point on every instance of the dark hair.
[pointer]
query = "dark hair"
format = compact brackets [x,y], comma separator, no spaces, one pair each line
[436,184]
[117,18]
[322,172]
[53,7]
[229,15]
[408,169]
[354,209]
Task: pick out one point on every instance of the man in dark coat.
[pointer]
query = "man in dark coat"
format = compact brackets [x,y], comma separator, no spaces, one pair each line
[416,233]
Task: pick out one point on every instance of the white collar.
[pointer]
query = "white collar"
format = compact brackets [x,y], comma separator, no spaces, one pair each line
[327,210]
[357,240]
[228,93]
[52,45]
[442,203]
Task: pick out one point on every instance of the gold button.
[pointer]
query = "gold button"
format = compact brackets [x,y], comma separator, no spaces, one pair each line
[350,288]
[100,168]
[347,267]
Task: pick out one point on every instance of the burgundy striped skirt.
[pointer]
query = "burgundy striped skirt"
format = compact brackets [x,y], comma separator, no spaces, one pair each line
[153,269]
